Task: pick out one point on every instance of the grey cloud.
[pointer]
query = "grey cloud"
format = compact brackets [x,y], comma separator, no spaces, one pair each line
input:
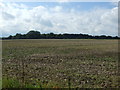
[47,23]
[7,16]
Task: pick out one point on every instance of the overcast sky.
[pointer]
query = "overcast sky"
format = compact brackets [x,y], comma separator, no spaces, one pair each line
[95,18]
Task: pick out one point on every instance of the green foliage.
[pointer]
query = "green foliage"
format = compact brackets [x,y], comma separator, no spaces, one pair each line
[36,35]
[33,35]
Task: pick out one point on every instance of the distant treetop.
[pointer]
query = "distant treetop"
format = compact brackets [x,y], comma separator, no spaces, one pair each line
[37,35]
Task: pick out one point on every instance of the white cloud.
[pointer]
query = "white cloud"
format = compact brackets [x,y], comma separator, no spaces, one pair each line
[20,19]
[57,9]
[63,1]
[115,4]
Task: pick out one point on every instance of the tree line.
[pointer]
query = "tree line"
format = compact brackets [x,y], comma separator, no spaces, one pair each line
[37,35]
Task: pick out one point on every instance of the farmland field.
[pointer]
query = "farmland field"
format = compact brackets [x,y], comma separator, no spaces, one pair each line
[60,63]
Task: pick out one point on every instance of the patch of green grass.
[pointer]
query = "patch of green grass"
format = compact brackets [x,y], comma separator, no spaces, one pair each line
[10,83]
[14,83]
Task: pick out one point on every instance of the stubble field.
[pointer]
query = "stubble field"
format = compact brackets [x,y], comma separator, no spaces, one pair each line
[60,63]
